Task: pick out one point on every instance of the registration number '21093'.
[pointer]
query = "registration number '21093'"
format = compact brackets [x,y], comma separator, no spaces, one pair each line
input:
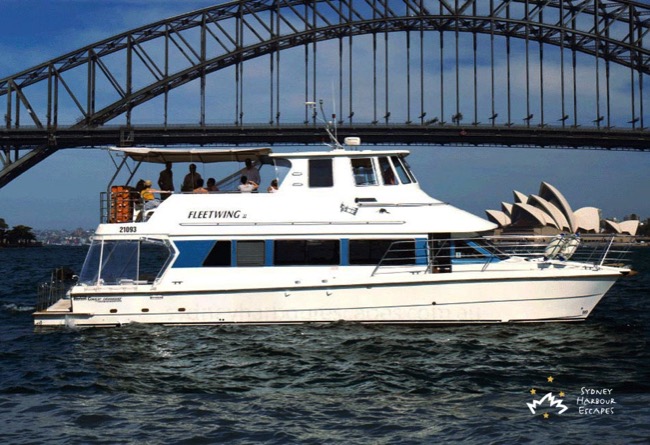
[128,229]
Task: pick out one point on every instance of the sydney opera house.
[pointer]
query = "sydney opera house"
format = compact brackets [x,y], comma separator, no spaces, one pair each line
[549,213]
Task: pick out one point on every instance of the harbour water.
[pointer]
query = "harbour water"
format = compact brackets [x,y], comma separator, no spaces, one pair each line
[314,384]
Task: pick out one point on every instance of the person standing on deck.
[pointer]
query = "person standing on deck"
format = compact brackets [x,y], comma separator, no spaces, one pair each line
[166,180]
[191,180]
[251,172]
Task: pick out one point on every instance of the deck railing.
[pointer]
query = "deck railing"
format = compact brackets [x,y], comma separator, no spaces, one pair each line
[596,249]
[48,293]
[446,255]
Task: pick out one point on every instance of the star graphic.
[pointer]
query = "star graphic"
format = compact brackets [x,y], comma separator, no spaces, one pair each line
[533,391]
[550,379]
[562,394]
[546,415]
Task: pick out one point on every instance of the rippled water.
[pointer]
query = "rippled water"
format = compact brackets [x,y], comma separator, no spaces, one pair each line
[338,383]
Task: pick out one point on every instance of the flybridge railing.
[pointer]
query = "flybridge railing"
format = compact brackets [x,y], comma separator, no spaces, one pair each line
[120,206]
[447,255]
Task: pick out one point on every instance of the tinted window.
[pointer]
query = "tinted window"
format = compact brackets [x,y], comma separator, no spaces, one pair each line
[250,253]
[401,252]
[320,173]
[404,177]
[473,249]
[387,173]
[219,255]
[363,171]
[372,251]
[367,251]
[306,252]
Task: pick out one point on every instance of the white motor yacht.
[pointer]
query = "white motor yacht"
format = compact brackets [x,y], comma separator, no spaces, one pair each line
[348,235]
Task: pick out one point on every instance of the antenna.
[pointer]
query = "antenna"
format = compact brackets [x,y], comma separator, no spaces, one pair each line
[330,126]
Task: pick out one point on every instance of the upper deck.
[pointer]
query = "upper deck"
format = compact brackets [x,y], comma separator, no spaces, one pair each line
[355,191]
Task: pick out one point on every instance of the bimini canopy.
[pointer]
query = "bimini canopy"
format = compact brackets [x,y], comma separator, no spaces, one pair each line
[200,155]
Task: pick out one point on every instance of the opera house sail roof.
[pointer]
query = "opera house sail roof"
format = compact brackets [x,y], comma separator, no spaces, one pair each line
[550,211]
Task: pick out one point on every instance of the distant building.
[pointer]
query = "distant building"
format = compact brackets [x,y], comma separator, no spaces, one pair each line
[549,213]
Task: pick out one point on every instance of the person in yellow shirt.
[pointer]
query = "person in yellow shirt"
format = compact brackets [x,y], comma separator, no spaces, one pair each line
[149,197]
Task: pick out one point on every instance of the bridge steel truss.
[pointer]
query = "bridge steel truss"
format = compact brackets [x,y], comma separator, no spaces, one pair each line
[440,77]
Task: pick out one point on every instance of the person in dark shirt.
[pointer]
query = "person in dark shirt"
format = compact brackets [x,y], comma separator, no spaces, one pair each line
[166,180]
[191,180]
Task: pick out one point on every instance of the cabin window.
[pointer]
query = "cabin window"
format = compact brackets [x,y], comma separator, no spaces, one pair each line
[368,251]
[387,173]
[123,262]
[473,250]
[219,256]
[403,172]
[393,252]
[250,253]
[306,252]
[363,171]
[320,173]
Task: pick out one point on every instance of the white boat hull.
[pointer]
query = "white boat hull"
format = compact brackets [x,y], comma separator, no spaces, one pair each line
[433,299]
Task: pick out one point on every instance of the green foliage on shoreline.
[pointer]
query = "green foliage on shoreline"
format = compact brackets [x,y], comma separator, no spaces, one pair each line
[18,236]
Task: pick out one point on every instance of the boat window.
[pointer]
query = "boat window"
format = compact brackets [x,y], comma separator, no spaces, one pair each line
[368,251]
[219,255]
[90,270]
[363,171]
[125,262]
[408,169]
[155,255]
[402,171]
[473,249]
[320,173]
[306,252]
[387,173]
[250,253]
[393,252]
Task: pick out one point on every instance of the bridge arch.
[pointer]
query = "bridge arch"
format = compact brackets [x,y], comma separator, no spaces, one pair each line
[227,35]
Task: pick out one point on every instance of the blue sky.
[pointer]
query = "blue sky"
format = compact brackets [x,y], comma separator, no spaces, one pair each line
[63,191]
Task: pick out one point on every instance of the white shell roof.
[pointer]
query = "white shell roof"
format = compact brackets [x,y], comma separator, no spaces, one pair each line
[498,217]
[555,213]
[520,197]
[535,213]
[553,195]
[588,219]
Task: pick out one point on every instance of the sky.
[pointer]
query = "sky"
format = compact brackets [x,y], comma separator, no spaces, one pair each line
[62,192]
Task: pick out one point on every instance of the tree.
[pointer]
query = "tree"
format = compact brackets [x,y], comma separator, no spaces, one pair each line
[20,235]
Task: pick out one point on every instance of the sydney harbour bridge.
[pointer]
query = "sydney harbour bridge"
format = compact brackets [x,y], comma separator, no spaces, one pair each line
[525,73]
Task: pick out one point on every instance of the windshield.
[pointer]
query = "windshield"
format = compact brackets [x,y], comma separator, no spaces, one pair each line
[125,261]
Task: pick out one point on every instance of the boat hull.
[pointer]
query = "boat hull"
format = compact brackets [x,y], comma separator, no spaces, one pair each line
[436,300]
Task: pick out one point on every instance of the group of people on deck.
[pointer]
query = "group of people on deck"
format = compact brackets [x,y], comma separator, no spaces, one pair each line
[193,182]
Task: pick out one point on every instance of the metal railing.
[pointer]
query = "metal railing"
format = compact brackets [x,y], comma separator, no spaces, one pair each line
[446,255]
[597,249]
[48,293]
[119,207]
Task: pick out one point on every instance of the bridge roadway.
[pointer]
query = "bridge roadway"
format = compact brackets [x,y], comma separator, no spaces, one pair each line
[25,138]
